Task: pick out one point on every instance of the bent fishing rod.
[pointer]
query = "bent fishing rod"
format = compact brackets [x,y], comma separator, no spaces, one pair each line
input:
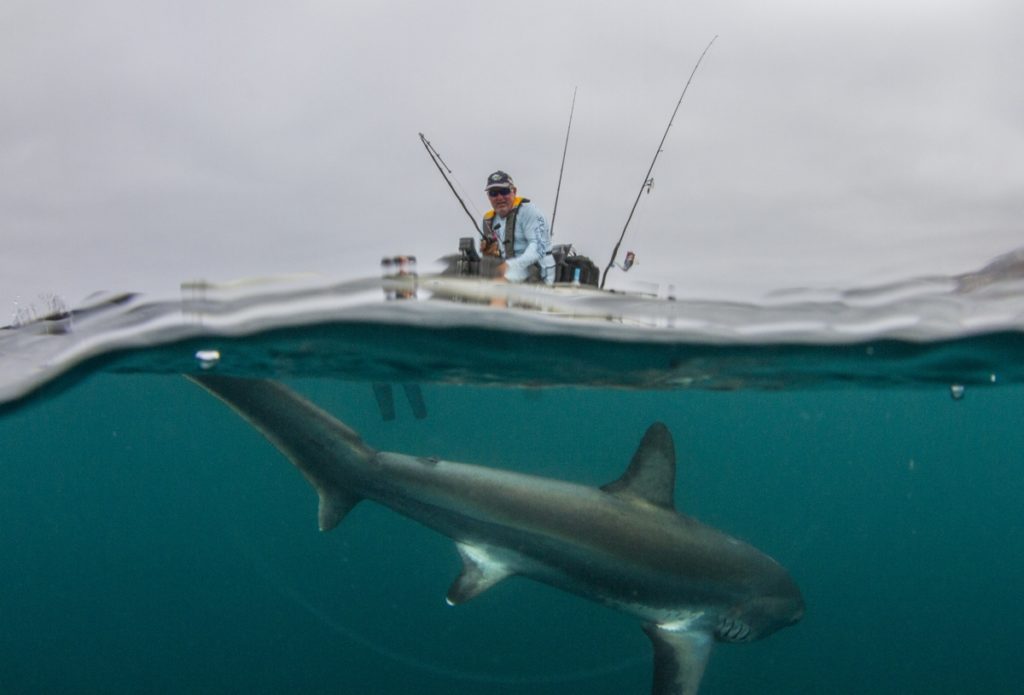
[561,169]
[435,157]
[647,179]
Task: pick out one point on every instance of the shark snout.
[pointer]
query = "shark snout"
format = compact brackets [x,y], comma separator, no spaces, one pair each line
[768,614]
[796,605]
[798,614]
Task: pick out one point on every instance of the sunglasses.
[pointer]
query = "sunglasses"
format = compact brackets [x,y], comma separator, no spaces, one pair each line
[495,192]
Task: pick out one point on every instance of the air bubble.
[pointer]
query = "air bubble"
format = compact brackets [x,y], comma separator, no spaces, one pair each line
[208,359]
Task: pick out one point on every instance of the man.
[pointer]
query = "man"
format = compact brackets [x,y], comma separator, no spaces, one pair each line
[515,230]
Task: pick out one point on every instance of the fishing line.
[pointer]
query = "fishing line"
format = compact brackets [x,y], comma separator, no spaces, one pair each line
[465,192]
[282,587]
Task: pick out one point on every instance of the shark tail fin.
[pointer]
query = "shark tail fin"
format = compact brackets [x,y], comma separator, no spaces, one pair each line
[326,451]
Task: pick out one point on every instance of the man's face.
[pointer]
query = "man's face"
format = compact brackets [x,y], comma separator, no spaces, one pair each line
[501,200]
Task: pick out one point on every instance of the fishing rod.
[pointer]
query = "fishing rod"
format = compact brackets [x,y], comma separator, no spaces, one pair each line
[435,157]
[561,170]
[648,181]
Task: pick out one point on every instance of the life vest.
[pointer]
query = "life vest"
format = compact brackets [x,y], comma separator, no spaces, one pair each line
[510,226]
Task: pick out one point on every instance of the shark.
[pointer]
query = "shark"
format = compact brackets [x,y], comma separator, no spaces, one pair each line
[623,545]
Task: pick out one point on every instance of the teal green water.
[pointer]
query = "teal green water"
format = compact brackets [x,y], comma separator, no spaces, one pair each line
[152,541]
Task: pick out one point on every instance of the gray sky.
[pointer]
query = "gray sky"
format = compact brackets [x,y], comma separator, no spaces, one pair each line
[821,143]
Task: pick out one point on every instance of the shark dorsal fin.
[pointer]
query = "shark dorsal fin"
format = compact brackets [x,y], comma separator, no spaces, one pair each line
[651,475]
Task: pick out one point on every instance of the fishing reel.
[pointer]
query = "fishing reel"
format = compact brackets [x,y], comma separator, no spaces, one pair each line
[627,263]
[490,247]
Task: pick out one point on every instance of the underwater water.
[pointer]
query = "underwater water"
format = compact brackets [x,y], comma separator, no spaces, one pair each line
[153,540]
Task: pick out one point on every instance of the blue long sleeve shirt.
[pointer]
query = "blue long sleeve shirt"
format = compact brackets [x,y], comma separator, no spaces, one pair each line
[532,243]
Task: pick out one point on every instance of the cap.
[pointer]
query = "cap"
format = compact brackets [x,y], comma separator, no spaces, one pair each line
[499,179]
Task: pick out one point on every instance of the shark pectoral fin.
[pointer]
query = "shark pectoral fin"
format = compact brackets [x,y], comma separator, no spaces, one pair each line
[651,475]
[479,573]
[334,506]
[679,659]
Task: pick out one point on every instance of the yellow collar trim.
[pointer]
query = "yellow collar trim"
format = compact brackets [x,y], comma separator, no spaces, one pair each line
[515,204]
